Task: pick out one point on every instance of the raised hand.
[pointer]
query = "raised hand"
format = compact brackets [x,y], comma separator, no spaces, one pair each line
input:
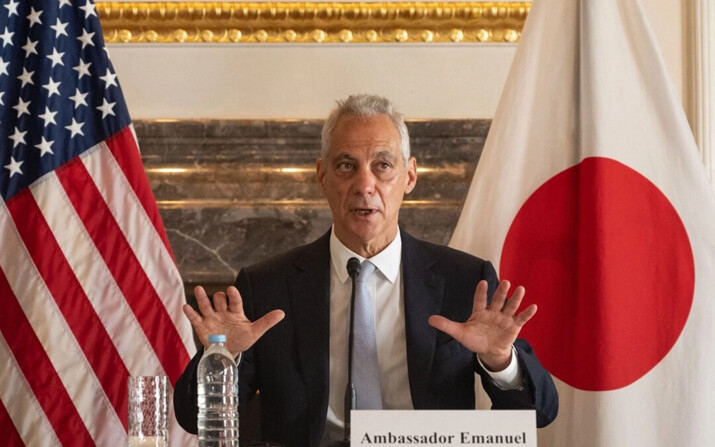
[491,329]
[227,317]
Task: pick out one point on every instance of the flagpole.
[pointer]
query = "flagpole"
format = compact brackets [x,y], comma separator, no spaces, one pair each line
[701,78]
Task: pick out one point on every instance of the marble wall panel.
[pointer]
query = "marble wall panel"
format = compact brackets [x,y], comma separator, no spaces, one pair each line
[233,192]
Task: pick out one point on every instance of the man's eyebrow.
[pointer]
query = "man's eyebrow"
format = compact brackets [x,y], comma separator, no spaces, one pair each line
[344,156]
[389,155]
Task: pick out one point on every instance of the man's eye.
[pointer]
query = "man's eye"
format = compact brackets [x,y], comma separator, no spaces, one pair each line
[345,166]
[384,165]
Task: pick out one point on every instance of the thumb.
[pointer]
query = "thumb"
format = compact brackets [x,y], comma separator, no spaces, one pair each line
[445,325]
[266,322]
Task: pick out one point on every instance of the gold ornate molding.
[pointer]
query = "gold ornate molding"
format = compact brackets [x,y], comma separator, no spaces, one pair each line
[312,22]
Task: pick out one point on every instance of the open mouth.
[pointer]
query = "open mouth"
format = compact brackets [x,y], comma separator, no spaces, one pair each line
[363,211]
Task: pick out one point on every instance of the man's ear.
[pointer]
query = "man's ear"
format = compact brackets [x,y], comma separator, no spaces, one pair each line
[411,175]
[320,173]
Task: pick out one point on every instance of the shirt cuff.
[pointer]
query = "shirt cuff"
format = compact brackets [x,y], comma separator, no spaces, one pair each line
[509,378]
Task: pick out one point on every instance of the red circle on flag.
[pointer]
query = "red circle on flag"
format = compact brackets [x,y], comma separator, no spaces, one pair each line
[607,259]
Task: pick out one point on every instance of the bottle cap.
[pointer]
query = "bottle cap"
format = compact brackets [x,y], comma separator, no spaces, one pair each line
[217,338]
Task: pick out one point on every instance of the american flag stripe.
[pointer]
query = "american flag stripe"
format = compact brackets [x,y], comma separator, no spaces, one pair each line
[11,436]
[51,201]
[104,163]
[129,208]
[125,150]
[39,372]
[119,256]
[95,277]
[54,332]
[25,415]
[68,294]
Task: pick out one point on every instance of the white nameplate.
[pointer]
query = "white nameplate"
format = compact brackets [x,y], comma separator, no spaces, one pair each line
[146,441]
[458,428]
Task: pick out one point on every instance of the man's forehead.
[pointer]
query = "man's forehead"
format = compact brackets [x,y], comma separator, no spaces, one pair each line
[364,137]
[389,154]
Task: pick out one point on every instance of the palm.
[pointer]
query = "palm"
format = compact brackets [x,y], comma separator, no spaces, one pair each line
[227,317]
[491,329]
[489,332]
[235,326]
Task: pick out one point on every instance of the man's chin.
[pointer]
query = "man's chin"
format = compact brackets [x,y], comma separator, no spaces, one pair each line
[370,232]
[364,233]
[359,229]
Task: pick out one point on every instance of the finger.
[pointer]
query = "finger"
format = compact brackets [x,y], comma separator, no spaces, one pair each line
[194,317]
[525,315]
[235,303]
[220,302]
[500,295]
[260,326]
[446,325]
[513,303]
[480,297]
[203,301]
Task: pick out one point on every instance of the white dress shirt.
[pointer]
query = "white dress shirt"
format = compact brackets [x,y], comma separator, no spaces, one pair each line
[387,292]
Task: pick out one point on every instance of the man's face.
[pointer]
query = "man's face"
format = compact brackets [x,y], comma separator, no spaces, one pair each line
[364,179]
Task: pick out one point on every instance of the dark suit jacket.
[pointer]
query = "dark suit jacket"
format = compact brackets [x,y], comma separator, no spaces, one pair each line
[289,364]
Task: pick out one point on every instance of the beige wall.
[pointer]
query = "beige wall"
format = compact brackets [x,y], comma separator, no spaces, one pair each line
[301,81]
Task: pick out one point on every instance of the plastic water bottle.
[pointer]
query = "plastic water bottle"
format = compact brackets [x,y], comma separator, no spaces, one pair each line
[218,396]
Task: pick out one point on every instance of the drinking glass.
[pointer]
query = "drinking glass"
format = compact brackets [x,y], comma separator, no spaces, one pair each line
[148,403]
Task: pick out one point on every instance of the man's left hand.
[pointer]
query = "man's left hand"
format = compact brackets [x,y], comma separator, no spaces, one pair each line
[491,329]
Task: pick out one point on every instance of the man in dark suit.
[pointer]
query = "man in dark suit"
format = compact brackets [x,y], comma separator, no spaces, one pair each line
[441,315]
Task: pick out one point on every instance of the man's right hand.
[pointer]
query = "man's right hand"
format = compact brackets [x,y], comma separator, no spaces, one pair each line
[227,317]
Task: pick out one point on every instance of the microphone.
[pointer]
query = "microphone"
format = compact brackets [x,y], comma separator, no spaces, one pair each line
[353,268]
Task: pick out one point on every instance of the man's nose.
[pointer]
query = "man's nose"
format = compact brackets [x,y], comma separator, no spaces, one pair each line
[364,182]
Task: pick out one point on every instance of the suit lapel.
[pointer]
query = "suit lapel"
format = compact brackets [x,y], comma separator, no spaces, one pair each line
[309,297]
[423,293]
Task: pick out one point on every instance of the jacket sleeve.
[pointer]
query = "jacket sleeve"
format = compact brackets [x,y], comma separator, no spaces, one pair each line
[538,391]
[185,395]
[186,389]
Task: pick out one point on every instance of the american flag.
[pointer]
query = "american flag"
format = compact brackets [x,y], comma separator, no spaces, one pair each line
[89,290]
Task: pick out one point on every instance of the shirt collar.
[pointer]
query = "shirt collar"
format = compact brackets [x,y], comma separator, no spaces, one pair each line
[387,261]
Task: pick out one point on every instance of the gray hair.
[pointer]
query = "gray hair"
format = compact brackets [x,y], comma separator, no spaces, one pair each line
[365,106]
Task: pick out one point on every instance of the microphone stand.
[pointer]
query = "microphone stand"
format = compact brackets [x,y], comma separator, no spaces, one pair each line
[353,267]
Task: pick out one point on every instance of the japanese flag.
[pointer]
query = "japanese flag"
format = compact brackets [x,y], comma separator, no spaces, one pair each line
[590,192]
